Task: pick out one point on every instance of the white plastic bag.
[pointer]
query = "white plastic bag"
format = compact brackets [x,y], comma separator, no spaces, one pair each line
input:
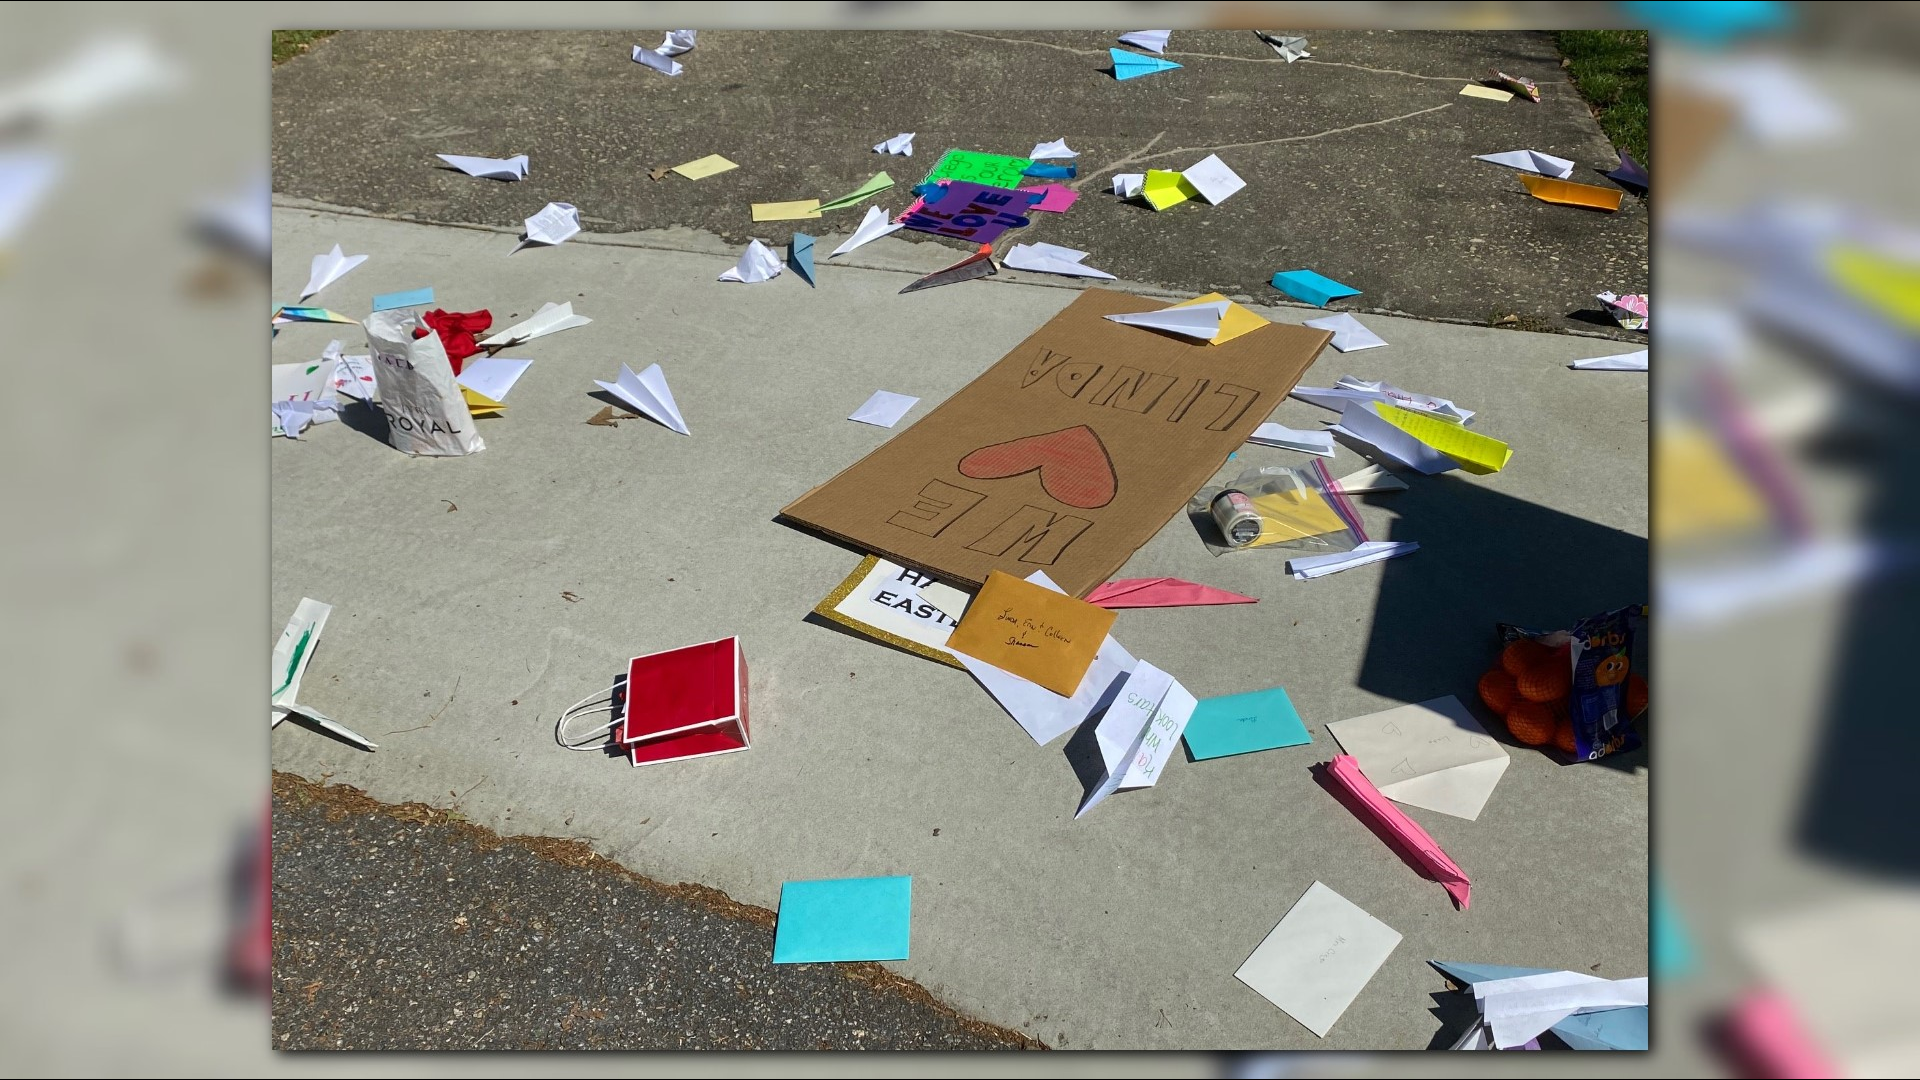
[426,413]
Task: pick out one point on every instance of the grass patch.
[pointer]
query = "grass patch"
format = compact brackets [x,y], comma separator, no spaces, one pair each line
[288,44]
[1609,68]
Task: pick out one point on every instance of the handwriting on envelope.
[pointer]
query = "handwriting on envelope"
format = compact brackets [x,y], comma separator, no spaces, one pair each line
[1042,636]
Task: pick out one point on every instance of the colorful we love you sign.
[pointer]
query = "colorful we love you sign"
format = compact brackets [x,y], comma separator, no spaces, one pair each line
[1067,454]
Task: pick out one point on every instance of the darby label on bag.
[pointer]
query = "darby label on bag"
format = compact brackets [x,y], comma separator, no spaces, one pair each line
[426,413]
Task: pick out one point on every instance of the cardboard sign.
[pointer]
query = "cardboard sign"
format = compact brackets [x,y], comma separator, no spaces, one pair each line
[1029,630]
[1067,454]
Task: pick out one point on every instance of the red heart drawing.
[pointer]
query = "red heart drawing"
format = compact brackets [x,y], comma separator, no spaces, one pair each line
[1073,463]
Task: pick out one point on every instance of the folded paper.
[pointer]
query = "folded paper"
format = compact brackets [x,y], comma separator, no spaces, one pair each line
[1631,361]
[1154,41]
[757,263]
[699,168]
[1129,185]
[1308,567]
[1362,420]
[1414,841]
[291,655]
[1028,630]
[1307,442]
[1433,755]
[1201,321]
[677,42]
[1211,178]
[1630,311]
[884,409]
[329,268]
[1315,289]
[1161,592]
[800,257]
[1137,733]
[1521,87]
[1568,193]
[647,394]
[1475,452]
[901,144]
[1234,323]
[977,265]
[1045,151]
[492,376]
[1351,389]
[1288,48]
[1244,724]
[874,226]
[1487,92]
[1132,65]
[1349,335]
[513,168]
[1532,161]
[1318,959]
[1608,1029]
[1371,478]
[664,64]
[550,319]
[1051,259]
[844,919]
[1046,171]
[879,182]
[291,313]
[1164,189]
[556,223]
[1629,173]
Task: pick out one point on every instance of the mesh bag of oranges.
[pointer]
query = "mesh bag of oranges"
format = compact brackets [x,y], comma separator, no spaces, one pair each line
[1576,690]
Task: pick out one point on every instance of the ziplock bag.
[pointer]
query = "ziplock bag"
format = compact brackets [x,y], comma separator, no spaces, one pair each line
[1299,510]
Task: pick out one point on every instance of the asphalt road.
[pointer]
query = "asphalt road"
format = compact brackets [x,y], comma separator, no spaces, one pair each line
[405,928]
[1358,161]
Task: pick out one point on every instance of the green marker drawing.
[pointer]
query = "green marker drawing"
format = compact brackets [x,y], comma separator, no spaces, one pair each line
[298,651]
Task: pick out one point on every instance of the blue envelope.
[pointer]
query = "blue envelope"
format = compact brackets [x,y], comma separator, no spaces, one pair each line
[1244,723]
[843,919]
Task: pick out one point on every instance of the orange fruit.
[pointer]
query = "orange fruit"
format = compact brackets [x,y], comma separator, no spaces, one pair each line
[1563,737]
[1636,696]
[1548,681]
[1521,654]
[1531,722]
[1498,691]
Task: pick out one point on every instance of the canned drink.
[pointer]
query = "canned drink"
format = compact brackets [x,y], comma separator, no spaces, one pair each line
[1239,522]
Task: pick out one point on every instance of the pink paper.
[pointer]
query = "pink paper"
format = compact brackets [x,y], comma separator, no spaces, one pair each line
[1161,592]
[1764,1029]
[1425,851]
[1058,197]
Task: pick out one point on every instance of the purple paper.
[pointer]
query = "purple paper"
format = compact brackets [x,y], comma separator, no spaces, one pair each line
[1630,173]
[972,212]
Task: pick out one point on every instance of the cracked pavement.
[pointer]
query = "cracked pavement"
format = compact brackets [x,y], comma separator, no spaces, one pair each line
[1358,160]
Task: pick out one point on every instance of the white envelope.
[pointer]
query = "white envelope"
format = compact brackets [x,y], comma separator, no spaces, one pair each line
[491,375]
[1318,959]
[1308,567]
[1212,179]
[647,394]
[1433,754]
[1039,711]
[884,409]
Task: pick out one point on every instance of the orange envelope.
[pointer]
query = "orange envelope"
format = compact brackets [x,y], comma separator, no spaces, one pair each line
[1045,637]
[1547,189]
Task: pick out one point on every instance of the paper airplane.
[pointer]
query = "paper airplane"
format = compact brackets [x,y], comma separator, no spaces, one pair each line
[1212,179]
[1051,259]
[700,168]
[492,376]
[1131,65]
[657,61]
[1154,41]
[1289,48]
[1307,442]
[1047,171]
[1138,732]
[757,263]
[677,42]
[1532,161]
[550,319]
[874,226]
[1236,322]
[513,168]
[1348,333]
[1161,592]
[1045,151]
[1308,567]
[1201,321]
[1476,453]
[1632,361]
[647,394]
[1417,843]
[880,182]
[1568,193]
[479,404]
[1164,189]
[977,265]
[1604,1028]
[900,144]
[555,224]
[1629,173]
[1349,388]
[1371,478]
[884,409]
[1520,86]
[1315,289]
[1129,184]
[330,268]
[291,655]
[800,257]
[1360,420]
[410,298]
[291,313]
[1630,311]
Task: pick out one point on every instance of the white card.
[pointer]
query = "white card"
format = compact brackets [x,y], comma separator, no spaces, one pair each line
[1212,179]
[884,409]
[1323,953]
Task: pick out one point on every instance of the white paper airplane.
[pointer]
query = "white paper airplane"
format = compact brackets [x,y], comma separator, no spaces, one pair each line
[291,654]
[1051,259]
[758,263]
[872,227]
[1195,321]
[657,61]
[1213,180]
[1307,442]
[1154,41]
[677,42]
[330,268]
[1308,567]
[899,144]
[550,319]
[556,223]
[1633,361]
[647,394]
[513,168]
[1055,149]
[1371,478]
[1532,161]
[1289,48]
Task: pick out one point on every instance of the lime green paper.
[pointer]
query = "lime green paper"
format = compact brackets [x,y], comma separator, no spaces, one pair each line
[1163,189]
[993,170]
[879,183]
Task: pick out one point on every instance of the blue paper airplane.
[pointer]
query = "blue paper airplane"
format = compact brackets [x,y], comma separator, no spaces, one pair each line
[1046,170]
[1132,65]
[1316,289]
[800,257]
[1614,1029]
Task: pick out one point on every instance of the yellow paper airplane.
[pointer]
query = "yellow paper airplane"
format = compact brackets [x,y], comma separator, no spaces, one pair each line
[1475,452]
[480,404]
[1568,193]
[1892,287]
[1235,322]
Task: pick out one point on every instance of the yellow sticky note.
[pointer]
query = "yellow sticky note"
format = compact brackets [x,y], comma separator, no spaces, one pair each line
[1293,515]
[480,404]
[1891,286]
[1029,630]
[1488,92]
[1568,193]
[706,166]
[1163,189]
[799,209]
[1235,322]
[1475,452]
[1697,490]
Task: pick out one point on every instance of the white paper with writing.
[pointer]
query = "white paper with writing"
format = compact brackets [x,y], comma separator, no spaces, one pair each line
[1319,958]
